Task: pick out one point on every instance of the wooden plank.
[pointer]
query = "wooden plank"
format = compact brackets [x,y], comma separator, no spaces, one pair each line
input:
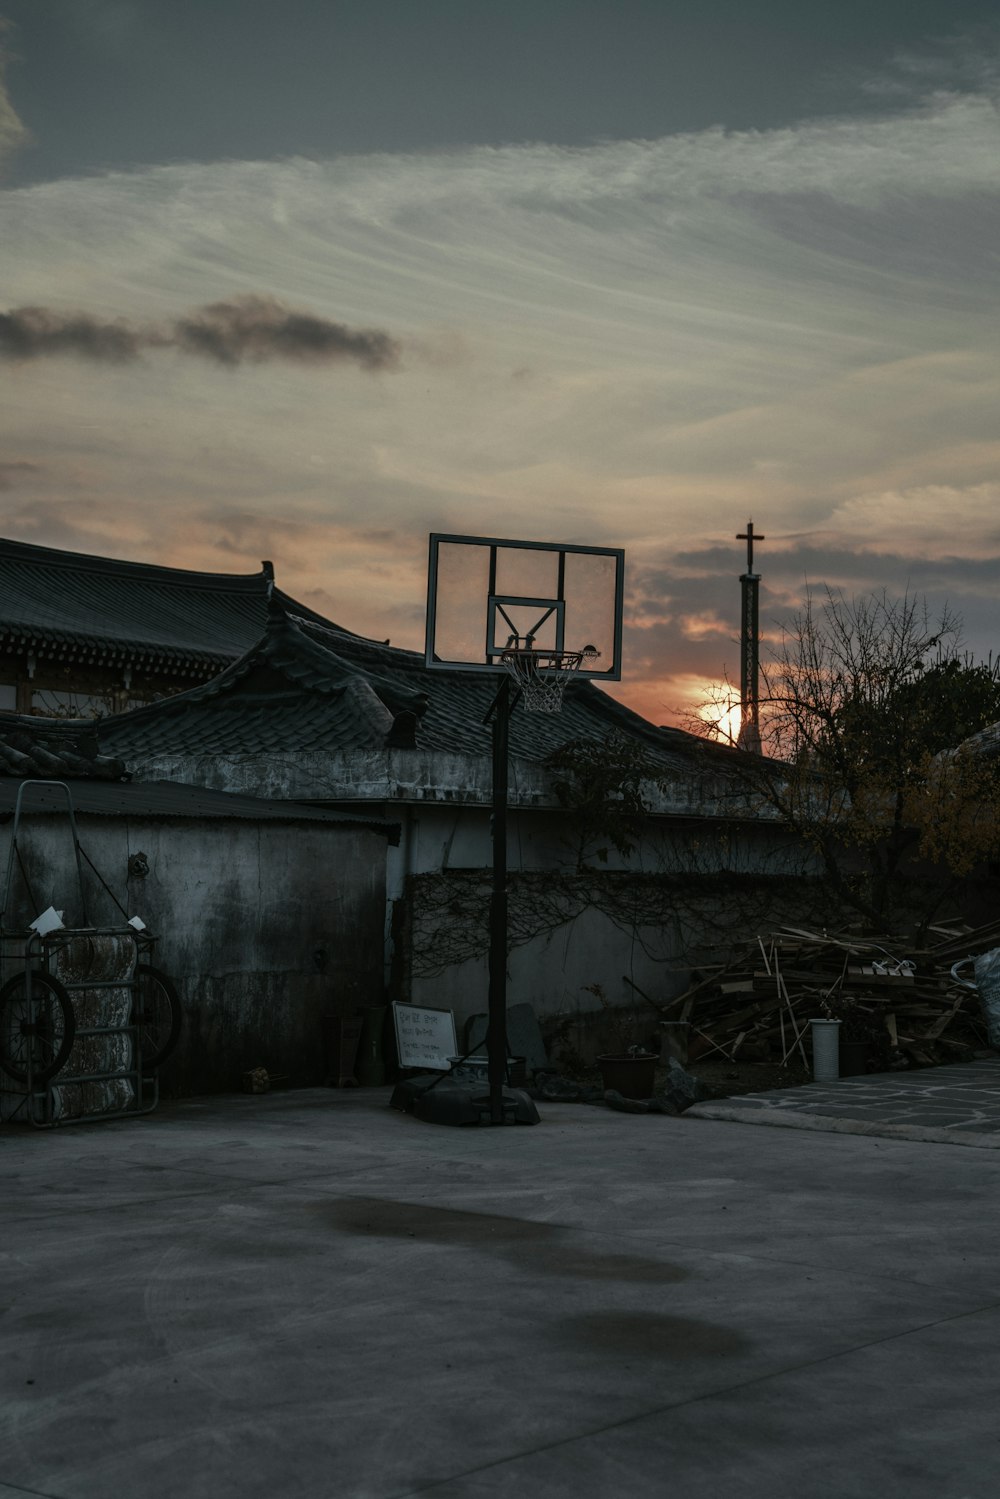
[857,978]
[944,1021]
[712,1044]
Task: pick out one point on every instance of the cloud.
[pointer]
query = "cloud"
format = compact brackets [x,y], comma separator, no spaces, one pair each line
[247,329]
[703,625]
[258,328]
[933,520]
[15,470]
[967,61]
[38,332]
[13,133]
[794,325]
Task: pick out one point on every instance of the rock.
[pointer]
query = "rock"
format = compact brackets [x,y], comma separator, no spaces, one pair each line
[664,1105]
[683,1088]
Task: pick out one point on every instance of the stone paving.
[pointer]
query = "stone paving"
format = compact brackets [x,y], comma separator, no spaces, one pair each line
[954,1105]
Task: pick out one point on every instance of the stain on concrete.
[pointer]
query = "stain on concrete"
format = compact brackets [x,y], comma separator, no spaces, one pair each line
[648,1335]
[545,1248]
[590,1264]
[383,1217]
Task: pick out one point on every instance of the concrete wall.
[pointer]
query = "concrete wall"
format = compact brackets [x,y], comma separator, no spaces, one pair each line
[552,971]
[708,884]
[442,801]
[420,776]
[261,927]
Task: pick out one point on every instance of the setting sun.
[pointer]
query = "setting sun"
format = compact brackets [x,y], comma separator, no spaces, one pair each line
[722,716]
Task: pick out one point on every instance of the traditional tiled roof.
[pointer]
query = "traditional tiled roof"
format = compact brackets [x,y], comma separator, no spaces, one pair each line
[74,607]
[311,687]
[51,749]
[456,705]
[285,679]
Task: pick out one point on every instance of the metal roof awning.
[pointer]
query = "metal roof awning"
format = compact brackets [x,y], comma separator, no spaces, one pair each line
[172,799]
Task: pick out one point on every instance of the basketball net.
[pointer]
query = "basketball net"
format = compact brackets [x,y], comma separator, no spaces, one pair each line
[541,676]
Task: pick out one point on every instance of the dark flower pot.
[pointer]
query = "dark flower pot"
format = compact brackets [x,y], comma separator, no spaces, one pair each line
[632,1077]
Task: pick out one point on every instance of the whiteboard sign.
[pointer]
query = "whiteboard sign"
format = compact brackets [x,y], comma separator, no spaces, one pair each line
[424,1038]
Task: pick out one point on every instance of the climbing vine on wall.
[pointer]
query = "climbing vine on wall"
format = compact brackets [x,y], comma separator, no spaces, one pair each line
[449,911]
[693,884]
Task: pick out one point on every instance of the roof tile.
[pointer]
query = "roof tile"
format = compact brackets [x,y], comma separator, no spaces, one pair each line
[81,607]
[54,749]
[306,686]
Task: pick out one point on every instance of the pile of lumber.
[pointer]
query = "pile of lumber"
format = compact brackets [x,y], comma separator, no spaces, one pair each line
[758,1005]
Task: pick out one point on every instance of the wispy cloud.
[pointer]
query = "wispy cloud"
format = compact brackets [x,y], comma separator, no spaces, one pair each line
[794,325]
[13,132]
[932,520]
[967,61]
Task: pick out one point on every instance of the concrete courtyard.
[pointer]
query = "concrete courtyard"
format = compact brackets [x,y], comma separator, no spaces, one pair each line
[308,1294]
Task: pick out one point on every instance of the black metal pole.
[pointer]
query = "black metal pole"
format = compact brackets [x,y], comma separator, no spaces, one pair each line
[496,1033]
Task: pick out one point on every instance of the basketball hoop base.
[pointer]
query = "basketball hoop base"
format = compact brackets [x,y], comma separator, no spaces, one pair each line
[437,1100]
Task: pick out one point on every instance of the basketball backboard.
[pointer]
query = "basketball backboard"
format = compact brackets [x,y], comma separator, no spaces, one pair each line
[484,593]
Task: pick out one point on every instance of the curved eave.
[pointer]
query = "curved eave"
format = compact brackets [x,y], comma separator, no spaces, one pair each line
[60,645]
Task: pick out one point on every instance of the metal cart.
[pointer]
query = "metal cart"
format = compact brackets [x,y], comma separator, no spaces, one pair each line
[85,1019]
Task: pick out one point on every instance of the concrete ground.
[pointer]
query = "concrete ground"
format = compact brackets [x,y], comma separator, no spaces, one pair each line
[308,1294]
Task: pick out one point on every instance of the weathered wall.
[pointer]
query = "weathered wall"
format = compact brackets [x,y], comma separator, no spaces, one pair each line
[419,777]
[247,916]
[551,971]
[689,889]
[442,801]
[567,935]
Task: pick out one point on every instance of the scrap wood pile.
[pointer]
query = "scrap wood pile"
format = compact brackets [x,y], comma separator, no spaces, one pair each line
[904,1003]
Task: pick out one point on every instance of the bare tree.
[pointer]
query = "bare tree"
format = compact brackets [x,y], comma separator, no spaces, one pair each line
[864,704]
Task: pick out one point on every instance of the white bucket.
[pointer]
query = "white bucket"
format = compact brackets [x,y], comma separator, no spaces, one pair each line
[826,1050]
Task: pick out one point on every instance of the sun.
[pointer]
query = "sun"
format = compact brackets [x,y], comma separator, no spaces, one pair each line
[721,714]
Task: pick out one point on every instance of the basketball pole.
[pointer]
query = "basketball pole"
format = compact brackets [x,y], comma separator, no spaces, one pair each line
[496,1031]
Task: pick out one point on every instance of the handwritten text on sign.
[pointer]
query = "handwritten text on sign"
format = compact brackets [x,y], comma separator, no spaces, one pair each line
[424,1038]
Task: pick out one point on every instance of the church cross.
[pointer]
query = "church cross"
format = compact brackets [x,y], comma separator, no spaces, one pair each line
[749,538]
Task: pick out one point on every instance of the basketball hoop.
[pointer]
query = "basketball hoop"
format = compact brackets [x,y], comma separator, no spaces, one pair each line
[541,676]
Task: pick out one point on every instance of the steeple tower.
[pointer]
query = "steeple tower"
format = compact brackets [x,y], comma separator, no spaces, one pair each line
[749,735]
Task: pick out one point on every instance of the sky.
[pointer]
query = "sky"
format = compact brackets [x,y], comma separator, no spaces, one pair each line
[309,280]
